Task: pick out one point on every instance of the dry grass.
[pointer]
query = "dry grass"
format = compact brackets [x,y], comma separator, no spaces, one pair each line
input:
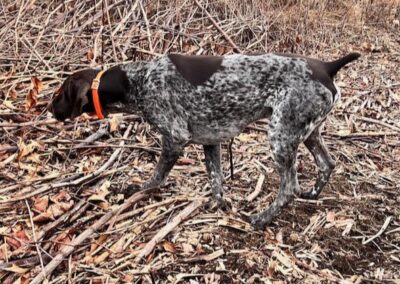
[57,181]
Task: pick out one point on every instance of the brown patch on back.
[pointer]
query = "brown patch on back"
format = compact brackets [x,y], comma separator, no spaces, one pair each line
[319,71]
[196,68]
[320,74]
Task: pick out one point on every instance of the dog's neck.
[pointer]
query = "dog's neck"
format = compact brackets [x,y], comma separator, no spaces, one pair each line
[119,87]
[114,87]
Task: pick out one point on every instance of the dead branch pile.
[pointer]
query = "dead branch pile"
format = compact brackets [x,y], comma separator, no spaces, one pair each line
[65,213]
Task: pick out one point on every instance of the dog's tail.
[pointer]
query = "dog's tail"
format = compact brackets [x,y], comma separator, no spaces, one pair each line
[334,66]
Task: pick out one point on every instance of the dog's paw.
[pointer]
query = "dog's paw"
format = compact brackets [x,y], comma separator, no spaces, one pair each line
[218,202]
[311,194]
[258,222]
[221,202]
[131,190]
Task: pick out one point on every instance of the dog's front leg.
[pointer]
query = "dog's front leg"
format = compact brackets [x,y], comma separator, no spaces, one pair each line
[212,155]
[170,152]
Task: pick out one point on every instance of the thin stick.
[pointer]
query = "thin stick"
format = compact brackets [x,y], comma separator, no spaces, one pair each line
[167,229]
[147,26]
[28,123]
[34,235]
[102,131]
[8,160]
[371,120]
[257,190]
[364,134]
[385,225]
[206,257]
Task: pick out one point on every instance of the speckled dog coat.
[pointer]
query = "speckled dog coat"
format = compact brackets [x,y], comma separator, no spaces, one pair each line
[207,100]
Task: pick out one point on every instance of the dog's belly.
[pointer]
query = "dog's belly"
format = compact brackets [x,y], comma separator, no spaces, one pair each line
[211,129]
[215,132]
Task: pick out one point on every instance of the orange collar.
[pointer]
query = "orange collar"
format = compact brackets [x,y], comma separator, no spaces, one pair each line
[95,95]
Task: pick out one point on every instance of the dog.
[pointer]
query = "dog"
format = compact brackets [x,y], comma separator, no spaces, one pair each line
[209,99]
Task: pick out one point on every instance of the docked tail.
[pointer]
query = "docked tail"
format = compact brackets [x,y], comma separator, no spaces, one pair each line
[334,66]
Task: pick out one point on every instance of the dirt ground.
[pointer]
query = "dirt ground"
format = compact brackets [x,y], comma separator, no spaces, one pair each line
[59,180]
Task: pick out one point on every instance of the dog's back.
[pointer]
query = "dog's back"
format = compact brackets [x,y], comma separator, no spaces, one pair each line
[241,90]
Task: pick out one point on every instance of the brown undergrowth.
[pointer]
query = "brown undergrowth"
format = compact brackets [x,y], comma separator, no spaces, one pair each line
[59,182]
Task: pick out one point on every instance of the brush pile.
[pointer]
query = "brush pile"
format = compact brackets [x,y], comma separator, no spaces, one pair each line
[66,215]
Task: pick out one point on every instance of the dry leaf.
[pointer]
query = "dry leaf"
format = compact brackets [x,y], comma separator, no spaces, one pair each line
[3,252]
[25,149]
[102,192]
[169,247]
[61,196]
[16,269]
[101,258]
[330,216]
[8,104]
[43,217]
[18,239]
[31,99]
[37,84]
[115,121]
[128,278]
[41,203]
[54,211]
[63,240]
[90,54]
[187,248]
[60,208]
[12,94]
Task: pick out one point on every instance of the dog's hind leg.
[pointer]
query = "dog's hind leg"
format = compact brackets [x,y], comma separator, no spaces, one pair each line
[315,144]
[284,139]
[212,155]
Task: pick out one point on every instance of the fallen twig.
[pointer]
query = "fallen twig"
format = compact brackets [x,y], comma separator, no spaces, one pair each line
[257,190]
[102,131]
[35,239]
[205,257]
[167,229]
[384,226]
[371,120]
[364,134]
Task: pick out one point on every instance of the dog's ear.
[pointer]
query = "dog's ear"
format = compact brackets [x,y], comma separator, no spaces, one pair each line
[73,97]
[81,97]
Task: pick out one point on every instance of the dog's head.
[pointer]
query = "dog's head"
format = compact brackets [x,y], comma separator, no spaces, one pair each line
[73,98]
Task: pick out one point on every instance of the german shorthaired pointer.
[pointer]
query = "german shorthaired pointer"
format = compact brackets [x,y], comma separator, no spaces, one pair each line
[209,99]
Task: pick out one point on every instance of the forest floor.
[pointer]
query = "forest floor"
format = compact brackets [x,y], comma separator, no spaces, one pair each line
[63,185]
